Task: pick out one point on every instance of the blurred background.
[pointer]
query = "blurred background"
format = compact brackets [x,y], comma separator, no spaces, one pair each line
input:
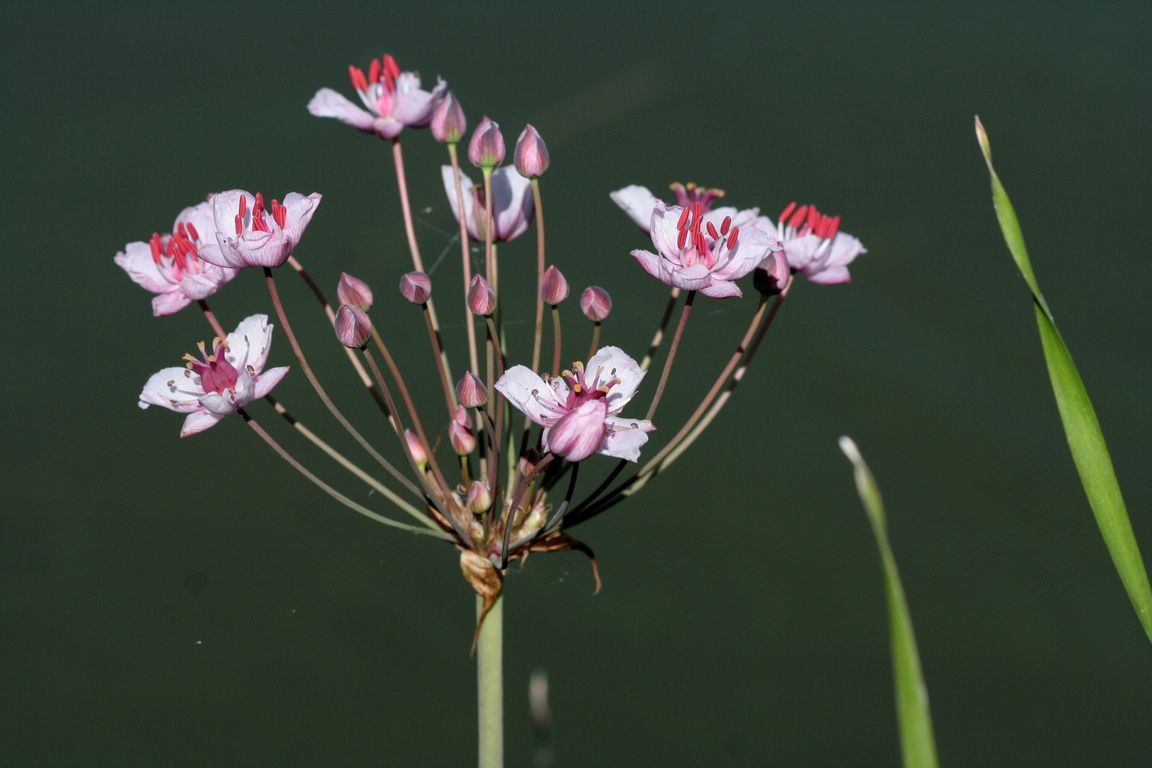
[195,602]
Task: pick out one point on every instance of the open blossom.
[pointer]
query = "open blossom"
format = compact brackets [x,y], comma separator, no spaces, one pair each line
[578,409]
[221,382]
[249,235]
[392,100]
[172,266]
[697,254]
[814,244]
[512,206]
[639,203]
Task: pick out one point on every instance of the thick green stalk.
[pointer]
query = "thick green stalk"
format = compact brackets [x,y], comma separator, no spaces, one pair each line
[490,684]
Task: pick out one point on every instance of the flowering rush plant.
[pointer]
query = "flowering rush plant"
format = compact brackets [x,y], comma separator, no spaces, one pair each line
[494,468]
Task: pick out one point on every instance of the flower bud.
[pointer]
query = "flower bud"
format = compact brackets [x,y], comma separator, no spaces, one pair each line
[416,448]
[416,287]
[448,121]
[553,286]
[479,498]
[531,153]
[528,460]
[486,149]
[353,328]
[470,391]
[773,274]
[460,434]
[354,291]
[595,303]
[481,297]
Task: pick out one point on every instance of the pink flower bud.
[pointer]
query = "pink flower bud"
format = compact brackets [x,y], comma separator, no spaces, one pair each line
[460,434]
[528,460]
[531,153]
[479,498]
[553,287]
[773,274]
[416,448]
[448,121]
[353,327]
[481,297]
[595,303]
[486,150]
[470,391]
[354,291]
[416,287]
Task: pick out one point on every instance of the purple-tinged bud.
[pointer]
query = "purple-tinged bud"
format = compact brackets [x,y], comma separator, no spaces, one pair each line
[527,462]
[479,498]
[416,287]
[353,327]
[470,391]
[448,121]
[773,274]
[553,286]
[481,297]
[416,448]
[354,291]
[531,153]
[595,303]
[486,149]
[460,435]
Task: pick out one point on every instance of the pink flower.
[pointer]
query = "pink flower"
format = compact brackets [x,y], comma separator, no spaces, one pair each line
[511,203]
[698,254]
[578,408]
[250,236]
[172,266]
[392,99]
[639,203]
[814,244]
[222,382]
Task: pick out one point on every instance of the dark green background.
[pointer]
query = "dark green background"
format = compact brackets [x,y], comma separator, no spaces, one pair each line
[168,602]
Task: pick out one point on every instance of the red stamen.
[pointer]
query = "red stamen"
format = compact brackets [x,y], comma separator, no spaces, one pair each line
[833,227]
[712,233]
[391,72]
[357,75]
[798,217]
[192,231]
[683,238]
[697,213]
[814,217]
[259,203]
[683,219]
[243,205]
[279,213]
[725,225]
[788,211]
[732,238]
[239,224]
[154,243]
[374,71]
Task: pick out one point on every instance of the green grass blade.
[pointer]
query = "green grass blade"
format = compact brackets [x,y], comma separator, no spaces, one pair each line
[917,744]
[1086,441]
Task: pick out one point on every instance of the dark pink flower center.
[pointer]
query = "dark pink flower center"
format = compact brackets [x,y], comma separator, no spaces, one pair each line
[689,194]
[178,253]
[582,388]
[798,221]
[696,232]
[256,222]
[215,372]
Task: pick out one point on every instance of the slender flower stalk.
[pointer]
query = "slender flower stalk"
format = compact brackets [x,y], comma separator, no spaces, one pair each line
[676,336]
[465,260]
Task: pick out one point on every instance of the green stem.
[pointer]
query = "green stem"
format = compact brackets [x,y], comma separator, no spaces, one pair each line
[490,684]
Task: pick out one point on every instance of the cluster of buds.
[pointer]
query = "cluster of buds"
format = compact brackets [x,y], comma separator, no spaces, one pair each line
[494,469]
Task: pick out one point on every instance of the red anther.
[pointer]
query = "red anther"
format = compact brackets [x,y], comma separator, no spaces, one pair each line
[279,213]
[683,238]
[357,75]
[259,203]
[712,233]
[798,217]
[391,72]
[732,238]
[833,227]
[700,243]
[814,216]
[192,231]
[239,223]
[374,71]
[724,225]
[698,212]
[683,219]
[788,211]
[243,205]
[154,243]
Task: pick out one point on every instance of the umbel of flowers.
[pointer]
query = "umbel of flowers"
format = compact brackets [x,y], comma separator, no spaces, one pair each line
[495,466]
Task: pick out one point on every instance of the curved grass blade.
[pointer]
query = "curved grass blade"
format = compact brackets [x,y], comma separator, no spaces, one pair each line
[917,744]
[1089,451]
